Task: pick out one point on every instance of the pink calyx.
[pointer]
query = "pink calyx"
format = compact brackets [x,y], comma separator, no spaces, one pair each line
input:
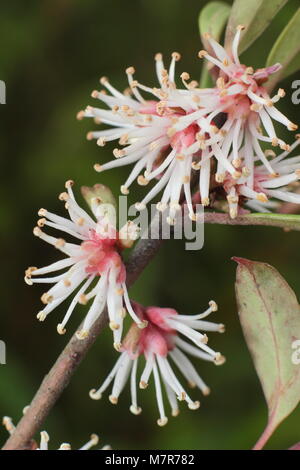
[183,139]
[102,252]
[155,338]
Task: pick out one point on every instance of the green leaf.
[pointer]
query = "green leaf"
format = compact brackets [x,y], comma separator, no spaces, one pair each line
[98,191]
[255,15]
[212,20]
[270,317]
[101,202]
[206,80]
[286,51]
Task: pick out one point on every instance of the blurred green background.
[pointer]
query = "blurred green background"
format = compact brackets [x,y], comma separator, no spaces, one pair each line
[53,53]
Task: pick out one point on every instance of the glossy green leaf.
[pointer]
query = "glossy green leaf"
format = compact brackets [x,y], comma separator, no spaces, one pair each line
[212,20]
[255,15]
[270,317]
[286,51]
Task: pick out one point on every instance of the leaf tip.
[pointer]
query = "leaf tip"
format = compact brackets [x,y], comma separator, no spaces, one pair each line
[242,261]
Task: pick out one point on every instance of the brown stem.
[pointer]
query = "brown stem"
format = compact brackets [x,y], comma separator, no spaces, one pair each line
[51,388]
[60,375]
[289,207]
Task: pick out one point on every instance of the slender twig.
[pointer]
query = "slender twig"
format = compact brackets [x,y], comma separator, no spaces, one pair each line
[51,387]
[287,222]
[59,376]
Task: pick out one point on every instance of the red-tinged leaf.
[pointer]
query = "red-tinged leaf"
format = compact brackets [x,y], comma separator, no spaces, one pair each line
[295,446]
[270,317]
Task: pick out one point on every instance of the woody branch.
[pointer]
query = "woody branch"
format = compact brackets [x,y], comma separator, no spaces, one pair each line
[60,375]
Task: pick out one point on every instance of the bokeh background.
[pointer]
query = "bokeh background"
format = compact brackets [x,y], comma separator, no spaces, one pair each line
[52,55]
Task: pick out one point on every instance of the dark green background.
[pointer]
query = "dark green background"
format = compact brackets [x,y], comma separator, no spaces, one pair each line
[52,54]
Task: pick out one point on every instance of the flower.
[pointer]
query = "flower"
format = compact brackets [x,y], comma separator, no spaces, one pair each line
[250,111]
[95,260]
[94,439]
[147,130]
[278,186]
[158,342]
[183,130]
